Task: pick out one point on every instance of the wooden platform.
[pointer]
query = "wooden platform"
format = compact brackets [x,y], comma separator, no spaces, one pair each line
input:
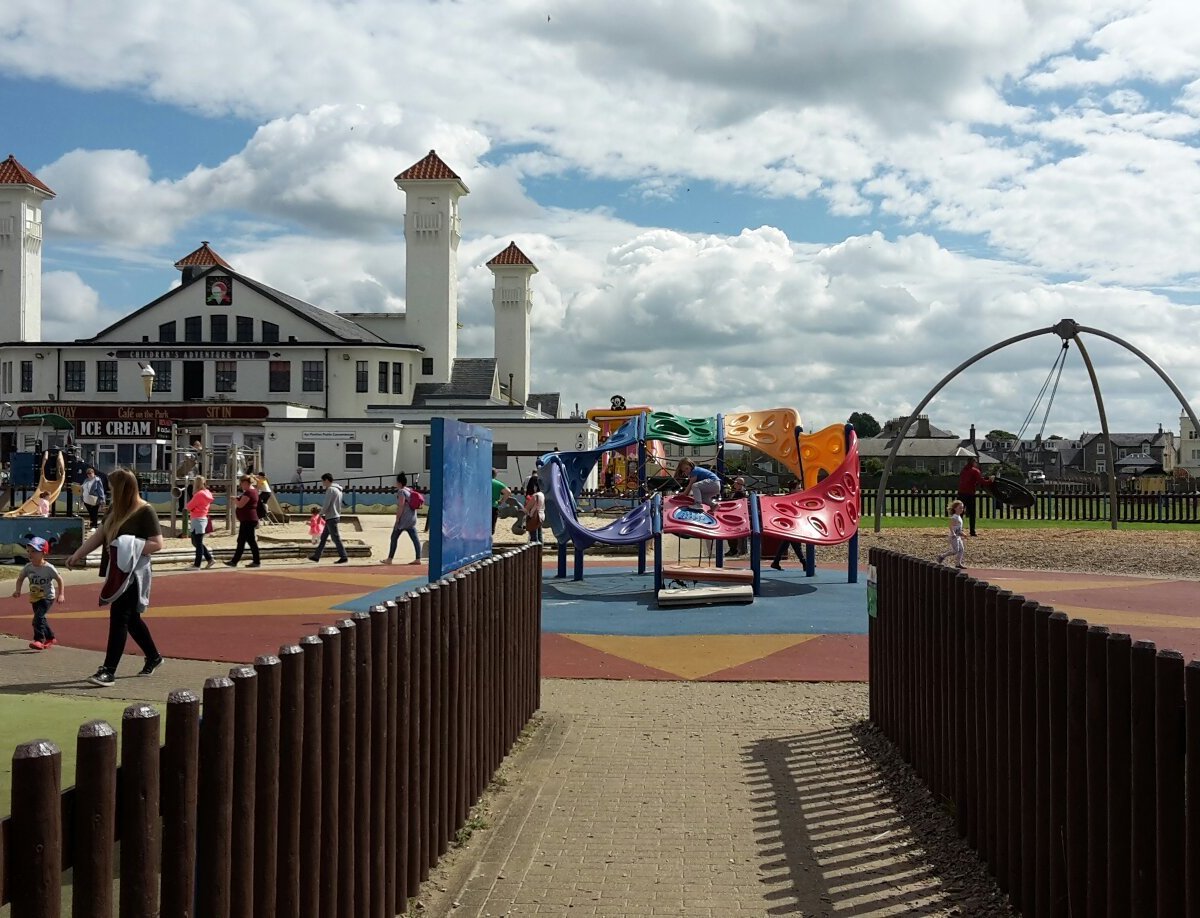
[704,595]
[708,574]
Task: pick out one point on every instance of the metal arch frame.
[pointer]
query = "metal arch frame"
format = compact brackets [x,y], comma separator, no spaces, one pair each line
[1068,330]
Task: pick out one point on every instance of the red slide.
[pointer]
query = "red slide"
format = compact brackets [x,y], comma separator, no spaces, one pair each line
[826,514]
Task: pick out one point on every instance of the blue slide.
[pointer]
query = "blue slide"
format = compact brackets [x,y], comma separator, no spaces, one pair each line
[563,475]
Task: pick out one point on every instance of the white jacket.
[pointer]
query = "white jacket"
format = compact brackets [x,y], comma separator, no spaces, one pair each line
[125,552]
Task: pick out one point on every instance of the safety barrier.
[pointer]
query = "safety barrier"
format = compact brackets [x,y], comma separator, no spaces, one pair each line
[1066,752]
[326,780]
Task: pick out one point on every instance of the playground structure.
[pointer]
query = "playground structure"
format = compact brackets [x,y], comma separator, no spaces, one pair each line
[238,460]
[53,474]
[823,512]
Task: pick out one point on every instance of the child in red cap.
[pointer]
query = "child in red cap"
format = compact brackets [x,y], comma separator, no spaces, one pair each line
[45,587]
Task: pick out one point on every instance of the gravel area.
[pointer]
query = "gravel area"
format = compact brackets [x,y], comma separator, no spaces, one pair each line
[1174,554]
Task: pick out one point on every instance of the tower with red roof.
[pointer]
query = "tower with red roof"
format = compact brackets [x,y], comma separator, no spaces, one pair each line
[512,299]
[431,236]
[22,195]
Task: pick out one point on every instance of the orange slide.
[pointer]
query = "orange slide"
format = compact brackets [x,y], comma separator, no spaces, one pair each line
[51,487]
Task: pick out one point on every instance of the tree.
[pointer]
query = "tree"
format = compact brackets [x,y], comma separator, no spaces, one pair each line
[864,424]
[999,434]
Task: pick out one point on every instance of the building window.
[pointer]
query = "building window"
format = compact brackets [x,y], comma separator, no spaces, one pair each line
[245,329]
[270,333]
[6,376]
[426,366]
[313,376]
[162,375]
[26,376]
[1101,467]
[1099,449]
[226,375]
[428,450]
[383,376]
[281,376]
[193,329]
[306,455]
[354,456]
[218,329]
[361,382]
[106,376]
[166,333]
[397,378]
[74,375]
[500,456]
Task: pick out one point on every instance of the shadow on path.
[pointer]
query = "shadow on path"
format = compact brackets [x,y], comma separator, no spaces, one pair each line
[845,828]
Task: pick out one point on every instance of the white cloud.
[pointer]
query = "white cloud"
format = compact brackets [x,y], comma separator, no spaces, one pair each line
[70,308]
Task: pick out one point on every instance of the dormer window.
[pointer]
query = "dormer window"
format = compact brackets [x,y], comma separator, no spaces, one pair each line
[245,329]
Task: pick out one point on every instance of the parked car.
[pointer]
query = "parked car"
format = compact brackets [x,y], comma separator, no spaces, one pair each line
[1035,476]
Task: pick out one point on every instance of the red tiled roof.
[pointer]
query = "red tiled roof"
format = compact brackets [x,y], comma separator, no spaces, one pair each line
[203,257]
[431,168]
[13,173]
[511,256]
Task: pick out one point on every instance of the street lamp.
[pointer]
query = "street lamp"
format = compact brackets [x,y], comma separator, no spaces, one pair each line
[148,379]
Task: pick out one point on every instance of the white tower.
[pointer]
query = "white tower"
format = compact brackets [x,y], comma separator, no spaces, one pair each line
[431,234]
[21,198]
[512,298]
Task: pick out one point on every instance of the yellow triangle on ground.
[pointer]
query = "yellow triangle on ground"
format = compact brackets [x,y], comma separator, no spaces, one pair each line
[1128,618]
[1031,586]
[692,656]
[306,605]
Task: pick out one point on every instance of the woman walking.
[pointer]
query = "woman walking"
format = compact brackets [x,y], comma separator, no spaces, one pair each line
[535,509]
[197,508]
[130,534]
[92,492]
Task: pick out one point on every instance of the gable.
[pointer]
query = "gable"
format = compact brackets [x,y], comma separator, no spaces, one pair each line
[222,292]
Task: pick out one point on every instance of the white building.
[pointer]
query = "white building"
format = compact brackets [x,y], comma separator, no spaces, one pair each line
[249,365]
[1189,445]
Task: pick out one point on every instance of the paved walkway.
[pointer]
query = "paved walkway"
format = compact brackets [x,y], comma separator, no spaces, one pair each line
[697,800]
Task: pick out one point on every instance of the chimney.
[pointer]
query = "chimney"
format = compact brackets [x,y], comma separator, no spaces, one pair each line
[923,426]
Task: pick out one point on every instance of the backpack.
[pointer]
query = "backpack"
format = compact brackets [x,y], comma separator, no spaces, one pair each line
[416,500]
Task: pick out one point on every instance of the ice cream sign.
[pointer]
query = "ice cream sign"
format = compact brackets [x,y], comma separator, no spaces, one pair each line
[123,429]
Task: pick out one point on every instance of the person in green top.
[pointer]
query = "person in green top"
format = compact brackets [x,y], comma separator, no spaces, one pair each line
[500,493]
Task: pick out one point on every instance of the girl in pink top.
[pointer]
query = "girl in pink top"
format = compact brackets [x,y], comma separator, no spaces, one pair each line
[316,525]
[197,508]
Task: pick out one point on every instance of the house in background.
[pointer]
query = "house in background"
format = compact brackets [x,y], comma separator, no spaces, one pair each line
[1189,446]
[926,448]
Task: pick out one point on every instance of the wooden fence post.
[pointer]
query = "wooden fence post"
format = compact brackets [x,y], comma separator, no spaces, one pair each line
[380,766]
[95,823]
[1030,816]
[393,768]
[1118,742]
[1057,679]
[349,899]
[266,780]
[180,793]
[1142,779]
[291,769]
[363,784]
[331,701]
[245,776]
[1097,771]
[214,822]
[403,698]
[139,801]
[36,856]
[1169,740]
[312,790]
[1192,793]
[1077,763]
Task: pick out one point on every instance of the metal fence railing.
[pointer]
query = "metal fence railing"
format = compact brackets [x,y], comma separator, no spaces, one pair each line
[326,780]
[1069,507]
[1070,756]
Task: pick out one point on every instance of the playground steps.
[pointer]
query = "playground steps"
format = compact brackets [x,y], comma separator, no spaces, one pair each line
[705,595]
[709,574]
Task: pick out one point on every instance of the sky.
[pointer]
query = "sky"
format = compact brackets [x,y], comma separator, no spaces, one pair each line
[731,205]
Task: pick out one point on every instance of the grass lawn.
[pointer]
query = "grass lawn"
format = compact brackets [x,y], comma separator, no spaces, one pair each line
[53,717]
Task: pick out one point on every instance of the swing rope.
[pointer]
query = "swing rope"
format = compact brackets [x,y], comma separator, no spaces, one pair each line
[1055,374]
